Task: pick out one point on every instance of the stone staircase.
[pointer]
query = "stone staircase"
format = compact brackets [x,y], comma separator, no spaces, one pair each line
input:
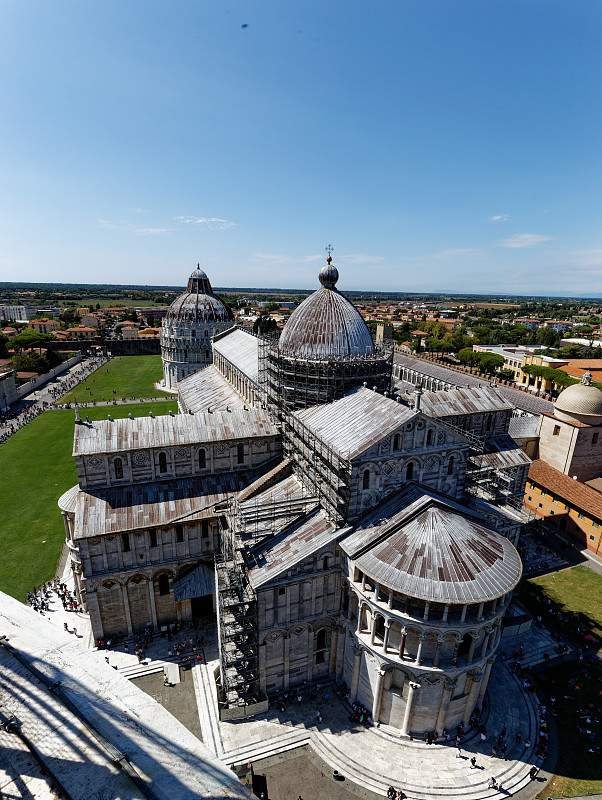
[421,770]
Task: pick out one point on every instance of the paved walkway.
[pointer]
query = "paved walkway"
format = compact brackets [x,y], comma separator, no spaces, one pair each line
[374,759]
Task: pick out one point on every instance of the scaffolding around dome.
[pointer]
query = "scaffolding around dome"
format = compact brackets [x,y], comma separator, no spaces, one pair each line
[291,383]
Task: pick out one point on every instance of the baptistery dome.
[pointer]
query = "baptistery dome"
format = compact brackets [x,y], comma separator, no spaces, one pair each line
[581,401]
[326,324]
[198,303]
[192,320]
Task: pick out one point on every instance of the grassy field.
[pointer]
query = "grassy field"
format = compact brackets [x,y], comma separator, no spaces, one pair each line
[36,468]
[129,376]
[577,590]
[577,593]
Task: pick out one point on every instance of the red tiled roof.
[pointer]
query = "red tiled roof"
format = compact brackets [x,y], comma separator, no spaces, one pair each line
[576,494]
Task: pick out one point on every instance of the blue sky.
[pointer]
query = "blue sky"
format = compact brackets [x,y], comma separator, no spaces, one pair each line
[440,146]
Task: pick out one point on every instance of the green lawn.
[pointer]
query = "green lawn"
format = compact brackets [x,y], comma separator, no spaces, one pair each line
[129,376]
[36,467]
[577,593]
[577,590]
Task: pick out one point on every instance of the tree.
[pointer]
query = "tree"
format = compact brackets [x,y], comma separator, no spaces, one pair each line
[264,324]
[3,346]
[29,339]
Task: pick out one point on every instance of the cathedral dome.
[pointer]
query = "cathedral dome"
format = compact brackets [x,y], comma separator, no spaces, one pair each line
[581,401]
[198,303]
[326,325]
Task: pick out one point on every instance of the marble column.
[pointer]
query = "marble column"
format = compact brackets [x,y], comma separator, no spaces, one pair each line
[334,638]
[262,680]
[359,617]
[355,677]
[421,639]
[448,688]
[471,649]
[378,693]
[287,650]
[463,614]
[386,638]
[475,677]
[484,682]
[454,658]
[372,628]
[126,608]
[407,716]
[341,655]
[151,596]
[402,642]
[94,611]
[437,655]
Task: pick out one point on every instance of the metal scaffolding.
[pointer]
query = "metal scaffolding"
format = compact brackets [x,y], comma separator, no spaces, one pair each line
[237,624]
[293,383]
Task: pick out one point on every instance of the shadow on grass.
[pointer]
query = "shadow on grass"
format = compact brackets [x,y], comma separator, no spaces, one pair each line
[571,690]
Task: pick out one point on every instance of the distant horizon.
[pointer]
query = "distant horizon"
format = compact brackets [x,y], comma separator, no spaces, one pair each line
[298,290]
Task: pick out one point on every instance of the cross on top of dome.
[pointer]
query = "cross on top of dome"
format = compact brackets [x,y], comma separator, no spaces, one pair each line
[329,274]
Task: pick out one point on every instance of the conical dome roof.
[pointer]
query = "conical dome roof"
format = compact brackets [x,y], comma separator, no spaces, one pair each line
[198,303]
[326,325]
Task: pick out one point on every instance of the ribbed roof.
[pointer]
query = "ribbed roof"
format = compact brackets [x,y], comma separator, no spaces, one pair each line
[326,325]
[198,303]
[68,500]
[581,399]
[432,551]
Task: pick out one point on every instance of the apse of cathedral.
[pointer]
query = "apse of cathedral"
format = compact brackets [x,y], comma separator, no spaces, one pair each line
[336,524]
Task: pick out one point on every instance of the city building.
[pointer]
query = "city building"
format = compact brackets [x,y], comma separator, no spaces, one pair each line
[338,528]
[8,388]
[44,324]
[565,482]
[192,320]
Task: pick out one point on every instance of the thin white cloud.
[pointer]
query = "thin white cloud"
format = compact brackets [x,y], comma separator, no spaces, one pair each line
[521,240]
[151,231]
[113,225]
[499,218]
[213,223]
[458,252]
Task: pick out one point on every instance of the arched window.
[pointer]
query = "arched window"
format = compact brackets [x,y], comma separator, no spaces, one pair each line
[410,471]
[202,459]
[240,454]
[429,436]
[321,639]
[397,442]
[162,462]
[118,468]
[163,583]
[450,466]
[366,479]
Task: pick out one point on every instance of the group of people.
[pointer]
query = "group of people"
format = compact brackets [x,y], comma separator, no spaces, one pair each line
[39,598]
[14,419]
[18,416]
[77,375]
[395,794]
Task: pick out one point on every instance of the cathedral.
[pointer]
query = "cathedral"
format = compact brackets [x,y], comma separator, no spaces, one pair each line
[338,524]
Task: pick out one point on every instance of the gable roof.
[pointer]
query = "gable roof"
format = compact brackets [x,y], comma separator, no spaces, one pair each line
[463,400]
[241,349]
[356,422]
[208,389]
[577,494]
[115,436]
[297,541]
